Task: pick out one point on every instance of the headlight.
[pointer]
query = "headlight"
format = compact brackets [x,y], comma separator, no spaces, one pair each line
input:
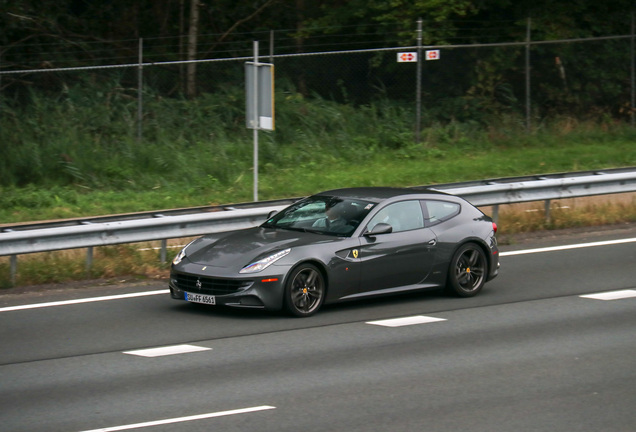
[182,254]
[262,264]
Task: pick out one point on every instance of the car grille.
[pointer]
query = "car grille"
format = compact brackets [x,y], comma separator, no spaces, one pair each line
[212,286]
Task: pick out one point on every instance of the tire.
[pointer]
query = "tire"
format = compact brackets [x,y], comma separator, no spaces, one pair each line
[304,291]
[467,271]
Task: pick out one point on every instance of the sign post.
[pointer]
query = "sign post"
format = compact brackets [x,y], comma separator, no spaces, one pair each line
[259,102]
[414,57]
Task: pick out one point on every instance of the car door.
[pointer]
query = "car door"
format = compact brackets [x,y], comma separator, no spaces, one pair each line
[401,258]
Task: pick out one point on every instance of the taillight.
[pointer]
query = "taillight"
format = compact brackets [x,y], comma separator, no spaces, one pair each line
[494,228]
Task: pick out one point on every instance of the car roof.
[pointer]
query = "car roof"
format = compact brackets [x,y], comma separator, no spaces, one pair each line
[378,194]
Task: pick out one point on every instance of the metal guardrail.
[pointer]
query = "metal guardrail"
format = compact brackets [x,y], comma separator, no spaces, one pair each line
[542,189]
[88,233]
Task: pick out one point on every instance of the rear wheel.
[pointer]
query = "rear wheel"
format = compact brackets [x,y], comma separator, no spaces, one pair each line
[467,271]
[304,291]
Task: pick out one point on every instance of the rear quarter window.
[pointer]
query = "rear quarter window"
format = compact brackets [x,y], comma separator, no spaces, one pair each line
[440,211]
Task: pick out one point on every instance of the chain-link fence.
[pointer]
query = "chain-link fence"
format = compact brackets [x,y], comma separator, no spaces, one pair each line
[534,80]
[518,84]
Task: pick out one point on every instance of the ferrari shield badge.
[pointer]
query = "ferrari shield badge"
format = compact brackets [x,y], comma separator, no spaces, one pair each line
[355,253]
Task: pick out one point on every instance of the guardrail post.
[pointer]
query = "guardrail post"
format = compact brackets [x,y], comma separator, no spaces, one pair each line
[495,213]
[14,268]
[164,246]
[546,205]
[89,259]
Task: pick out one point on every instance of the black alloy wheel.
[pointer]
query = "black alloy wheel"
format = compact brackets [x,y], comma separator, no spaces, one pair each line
[305,291]
[467,271]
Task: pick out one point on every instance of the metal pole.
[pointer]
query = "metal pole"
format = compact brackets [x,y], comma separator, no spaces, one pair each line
[495,213]
[0,84]
[14,268]
[140,76]
[271,46]
[633,72]
[528,107]
[163,251]
[418,90]
[89,260]
[256,124]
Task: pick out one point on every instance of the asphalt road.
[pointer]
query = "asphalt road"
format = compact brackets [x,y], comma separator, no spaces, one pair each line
[529,354]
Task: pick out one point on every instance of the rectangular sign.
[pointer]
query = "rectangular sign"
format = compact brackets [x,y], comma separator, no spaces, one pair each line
[264,94]
[407,57]
[432,55]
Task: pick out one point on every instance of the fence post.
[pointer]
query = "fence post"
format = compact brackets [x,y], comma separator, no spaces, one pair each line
[633,71]
[528,104]
[140,76]
[418,89]
[271,46]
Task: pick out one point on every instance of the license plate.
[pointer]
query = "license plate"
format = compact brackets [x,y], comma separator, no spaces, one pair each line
[200,298]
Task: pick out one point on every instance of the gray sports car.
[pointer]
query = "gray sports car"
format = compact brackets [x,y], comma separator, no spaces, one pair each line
[341,245]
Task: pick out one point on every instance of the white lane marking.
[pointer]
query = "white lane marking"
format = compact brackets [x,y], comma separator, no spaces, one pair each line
[400,322]
[612,295]
[184,419]
[169,350]
[147,293]
[566,247]
[84,300]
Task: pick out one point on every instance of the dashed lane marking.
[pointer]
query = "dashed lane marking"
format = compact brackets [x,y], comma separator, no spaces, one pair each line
[406,321]
[169,350]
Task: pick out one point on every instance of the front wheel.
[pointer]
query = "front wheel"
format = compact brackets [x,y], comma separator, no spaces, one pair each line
[304,291]
[467,271]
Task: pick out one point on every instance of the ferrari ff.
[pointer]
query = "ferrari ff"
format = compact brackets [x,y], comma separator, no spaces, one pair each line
[342,245]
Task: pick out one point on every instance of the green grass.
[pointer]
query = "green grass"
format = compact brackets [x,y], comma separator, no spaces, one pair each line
[78,156]
[294,173]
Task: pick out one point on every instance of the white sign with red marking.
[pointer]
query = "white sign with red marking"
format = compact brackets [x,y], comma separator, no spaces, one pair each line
[432,55]
[407,57]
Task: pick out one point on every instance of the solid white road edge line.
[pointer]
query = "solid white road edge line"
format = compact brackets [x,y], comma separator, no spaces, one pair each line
[147,293]
[169,350]
[612,295]
[184,419]
[566,247]
[406,321]
[84,300]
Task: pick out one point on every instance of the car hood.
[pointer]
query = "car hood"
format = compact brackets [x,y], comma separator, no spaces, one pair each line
[239,248]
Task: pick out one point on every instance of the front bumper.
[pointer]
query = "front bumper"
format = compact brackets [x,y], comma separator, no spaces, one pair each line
[263,292]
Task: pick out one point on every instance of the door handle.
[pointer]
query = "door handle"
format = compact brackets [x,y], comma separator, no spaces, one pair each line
[432,242]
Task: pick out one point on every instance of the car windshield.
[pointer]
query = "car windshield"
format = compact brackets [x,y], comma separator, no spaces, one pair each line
[322,214]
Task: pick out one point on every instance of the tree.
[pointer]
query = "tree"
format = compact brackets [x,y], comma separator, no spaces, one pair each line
[192,48]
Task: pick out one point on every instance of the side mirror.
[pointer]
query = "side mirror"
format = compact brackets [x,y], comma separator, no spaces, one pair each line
[381,228]
[272,213]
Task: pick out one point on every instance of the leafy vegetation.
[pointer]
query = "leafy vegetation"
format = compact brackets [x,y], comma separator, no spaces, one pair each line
[579,79]
[356,157]
[80,155]
[69,139]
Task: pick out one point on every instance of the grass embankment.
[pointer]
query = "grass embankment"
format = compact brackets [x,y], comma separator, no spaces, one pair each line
[80,159]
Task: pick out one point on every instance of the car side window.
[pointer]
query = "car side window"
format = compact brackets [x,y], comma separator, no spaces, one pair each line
[402,216]
[440,211]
